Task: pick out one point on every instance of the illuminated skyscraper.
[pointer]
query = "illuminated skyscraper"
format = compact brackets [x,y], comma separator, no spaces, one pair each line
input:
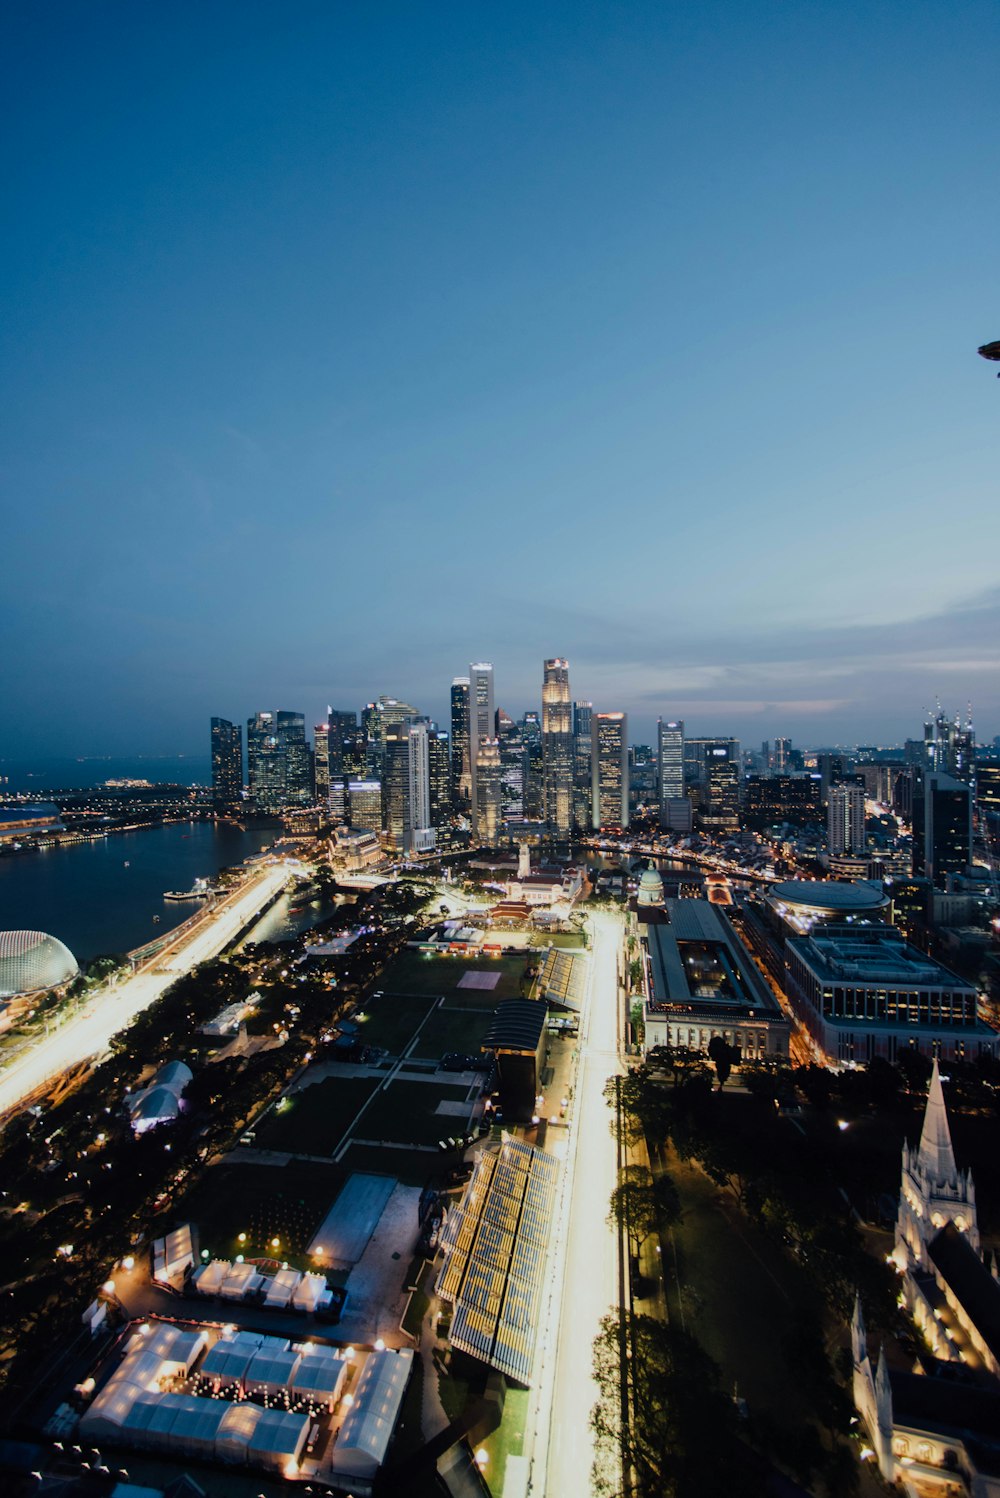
[265,764]
[489,793]
[407,786]
[364,805]
[845,814]
[583,713]
[610,771]
[557,746]
[461,764]
[534,784]
[291,733]
[512,767]
[482,716]
[439,769]
[227,764]
[942,827]
[321,762]
[669,765]
[720,794]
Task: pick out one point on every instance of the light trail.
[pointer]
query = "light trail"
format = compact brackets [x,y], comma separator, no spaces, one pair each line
[89,1031]
[584,1249]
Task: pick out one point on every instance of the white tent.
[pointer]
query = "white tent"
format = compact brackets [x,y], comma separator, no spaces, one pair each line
[367,1429]
[278,1441]
[196,1425]
[104,1419]
[208,1279]
[320,1377]
[310,1292]
[271,1371]
[135,1426]
[282,1287]
[176,1348]
[236,1427]
[226,1363]
[240,1280]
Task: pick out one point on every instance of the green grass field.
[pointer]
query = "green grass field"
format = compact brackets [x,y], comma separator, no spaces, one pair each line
[411,1167]
[420,973]
[453,1029]
[314,1121]
[404,1113]
[262,1201]
[391,1022]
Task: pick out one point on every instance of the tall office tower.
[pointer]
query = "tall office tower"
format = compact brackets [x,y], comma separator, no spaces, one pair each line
[988,791]
[265,764]
[669,764]
[461,764]
[845,820]
[227,764]
[489,794]
[364,805]
[370,735]
[765,755]
[720,798]
[782,750]
[482,717]
[512,767]
[534,781]
[439,770]
[950,747]
[407,786]
[609,763]
[583,751]
[321,763]
[942,827]
[343,724]
[355,750]
[379,717]
[557,747]
[698,754]
[291,735]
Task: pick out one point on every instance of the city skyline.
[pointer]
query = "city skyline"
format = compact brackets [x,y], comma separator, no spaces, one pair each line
[300,409]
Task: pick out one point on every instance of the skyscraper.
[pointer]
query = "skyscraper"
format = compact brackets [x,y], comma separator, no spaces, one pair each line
[364,805]
[321,762]
[669,765]
[439,769]
[557,746]
[227,764]
[482,716]
[265,764]
[461,764]
[407,786]
[489,793]
[534,784]
[846,820]
[291,734]
[343,731]
[720,796]
[512,767]
[610,771]
[950,746]
[583,801]
[942,826]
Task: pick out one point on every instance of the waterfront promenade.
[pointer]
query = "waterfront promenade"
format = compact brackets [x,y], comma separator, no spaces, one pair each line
[116,1005]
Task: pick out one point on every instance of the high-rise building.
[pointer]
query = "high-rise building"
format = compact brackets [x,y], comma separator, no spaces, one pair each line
[407,793]
[482,717]
[534,780]
[364,805]
[512,767]
[489,793]
[669,764]
[227,764]
[950,747]
[720,794]
[321,763]
[291,734]
[343,727]
[439,769]
[557,747]
[988,790]
[782,752]
[461,764]
[845,820]
[265,764]
[942,826]
[609,763]
[583,753]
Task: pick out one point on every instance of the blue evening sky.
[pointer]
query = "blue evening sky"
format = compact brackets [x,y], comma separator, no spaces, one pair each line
[345,343]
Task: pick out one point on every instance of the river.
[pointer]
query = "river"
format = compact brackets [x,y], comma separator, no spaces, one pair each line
[102,896]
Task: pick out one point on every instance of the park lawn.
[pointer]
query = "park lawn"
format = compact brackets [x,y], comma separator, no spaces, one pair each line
[289,1201]
[391,1022]
[572,940]
[315,1120]
[739,1297]
[508,1438]
[421,972]
[404,1113]
[453,1029]
[410,1167]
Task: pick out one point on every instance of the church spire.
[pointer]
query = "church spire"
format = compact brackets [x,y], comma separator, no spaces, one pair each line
[936,1155]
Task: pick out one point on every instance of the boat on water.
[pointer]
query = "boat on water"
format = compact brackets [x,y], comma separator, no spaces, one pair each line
[200,890]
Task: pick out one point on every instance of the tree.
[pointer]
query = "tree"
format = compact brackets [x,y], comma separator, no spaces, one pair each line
[722,1055]
[642,1204]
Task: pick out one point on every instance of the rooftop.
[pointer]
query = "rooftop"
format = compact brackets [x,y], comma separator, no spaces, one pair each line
[871,955]
[844,897]
[697,961]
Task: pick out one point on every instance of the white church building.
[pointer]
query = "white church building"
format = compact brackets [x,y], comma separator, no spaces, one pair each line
[937,1430]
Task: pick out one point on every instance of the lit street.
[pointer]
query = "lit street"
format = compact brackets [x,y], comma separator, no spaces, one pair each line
[88,1032]
[584,1244]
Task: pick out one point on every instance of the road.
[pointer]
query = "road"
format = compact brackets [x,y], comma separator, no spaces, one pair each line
[585,1247]
[88,1032]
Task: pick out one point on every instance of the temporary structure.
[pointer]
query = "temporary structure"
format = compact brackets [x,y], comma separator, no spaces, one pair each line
[367,1429]
[320,1378]
[278,1441]
[311,1292]
[282,1288]
[240,1281]
[270,1371]
[232,1443]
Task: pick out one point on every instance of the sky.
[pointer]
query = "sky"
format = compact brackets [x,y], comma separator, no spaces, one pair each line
[345,344]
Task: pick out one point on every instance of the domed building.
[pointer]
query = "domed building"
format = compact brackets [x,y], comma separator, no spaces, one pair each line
[650,891]
[30,960]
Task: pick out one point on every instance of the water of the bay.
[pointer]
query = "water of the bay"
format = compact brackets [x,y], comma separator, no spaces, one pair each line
[102,896]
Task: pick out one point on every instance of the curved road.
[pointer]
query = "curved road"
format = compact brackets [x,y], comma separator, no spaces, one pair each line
[88,1032]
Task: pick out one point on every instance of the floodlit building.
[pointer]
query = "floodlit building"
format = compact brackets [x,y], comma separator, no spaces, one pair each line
[31,960]
[160,1100]
[364,1437]
[609,770]
[461,764]
[27,821]
[482,720]
[557,747]
[669,765]
[364,803]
